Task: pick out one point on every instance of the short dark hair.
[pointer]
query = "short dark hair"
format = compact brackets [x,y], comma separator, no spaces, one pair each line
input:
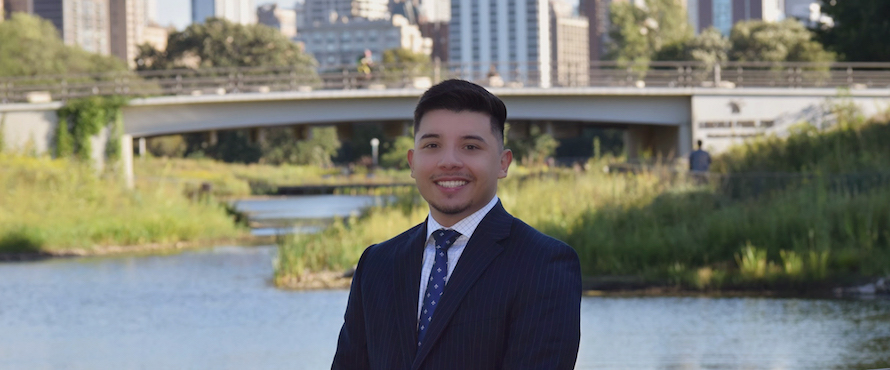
[459,96]
[699,144]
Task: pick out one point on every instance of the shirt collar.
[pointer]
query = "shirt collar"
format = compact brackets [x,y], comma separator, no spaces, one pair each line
[467,226]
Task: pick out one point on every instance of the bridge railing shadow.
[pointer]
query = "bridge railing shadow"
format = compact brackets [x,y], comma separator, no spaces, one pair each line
[210,81]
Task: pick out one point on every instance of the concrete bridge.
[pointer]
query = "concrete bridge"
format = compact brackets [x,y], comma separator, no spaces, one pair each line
[664,121]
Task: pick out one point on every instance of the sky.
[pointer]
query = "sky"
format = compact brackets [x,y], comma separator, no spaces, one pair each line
[179,12]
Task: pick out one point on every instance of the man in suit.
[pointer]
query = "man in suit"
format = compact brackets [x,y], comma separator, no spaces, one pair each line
[472,287]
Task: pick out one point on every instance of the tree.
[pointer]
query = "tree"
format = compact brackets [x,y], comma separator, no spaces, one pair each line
[401,63]
[220,43]
[31,46]
[709,47]
[397,154]
[641,33]
[534,149]
[785,41]
[861,29]
[282,147]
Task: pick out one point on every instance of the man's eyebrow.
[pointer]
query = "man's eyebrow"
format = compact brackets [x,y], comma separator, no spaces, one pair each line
[473,137]
[429,136]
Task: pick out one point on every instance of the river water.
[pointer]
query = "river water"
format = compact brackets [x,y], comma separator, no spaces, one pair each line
[215,308]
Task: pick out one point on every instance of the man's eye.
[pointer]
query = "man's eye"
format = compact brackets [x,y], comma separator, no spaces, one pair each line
[431,145]
[472,147]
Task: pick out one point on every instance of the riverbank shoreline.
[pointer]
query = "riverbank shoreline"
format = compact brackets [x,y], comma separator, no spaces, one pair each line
[138,249]
[632,287]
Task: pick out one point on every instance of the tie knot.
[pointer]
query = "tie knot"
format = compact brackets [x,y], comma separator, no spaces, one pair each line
[445,238]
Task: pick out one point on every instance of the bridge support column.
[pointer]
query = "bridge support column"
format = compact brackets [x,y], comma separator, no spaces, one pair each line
[142,148]
[212,137]
[127,159]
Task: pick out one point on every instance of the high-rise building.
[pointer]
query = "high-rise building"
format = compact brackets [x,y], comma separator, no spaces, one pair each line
[597,13]
[509,37]
[435,11]
[237,11]
[722,14]
[127,30]
[569,43]
[284,20]
[156,36]
[11,6]
[319,12]
[80,22]
[151,11]
[344,43]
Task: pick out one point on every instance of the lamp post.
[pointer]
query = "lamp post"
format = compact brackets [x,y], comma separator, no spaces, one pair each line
[374,144]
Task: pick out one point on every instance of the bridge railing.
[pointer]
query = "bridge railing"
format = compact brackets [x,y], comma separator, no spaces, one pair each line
[212,81]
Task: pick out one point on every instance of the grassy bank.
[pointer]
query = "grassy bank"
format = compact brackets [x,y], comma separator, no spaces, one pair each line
[817,229]
[57,206]
[233,179]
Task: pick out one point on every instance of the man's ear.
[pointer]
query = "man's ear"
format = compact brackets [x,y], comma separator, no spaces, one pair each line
[506,159]
[411,161]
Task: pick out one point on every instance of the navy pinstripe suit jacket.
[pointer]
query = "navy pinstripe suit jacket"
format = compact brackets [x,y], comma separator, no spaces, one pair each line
[512,302]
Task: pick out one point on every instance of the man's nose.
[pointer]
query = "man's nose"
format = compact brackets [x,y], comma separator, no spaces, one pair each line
[450,159]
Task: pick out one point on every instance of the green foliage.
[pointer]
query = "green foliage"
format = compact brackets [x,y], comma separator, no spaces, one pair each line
[860,31]
[640,34]
[282,147]
[115,132]
[402,62]
[853,145]
[21,240]
[31,46]
[396,155]
[709,47]
[173,146]
[81,119]
[220,43]
[785,41]
[60,205]
[534,149]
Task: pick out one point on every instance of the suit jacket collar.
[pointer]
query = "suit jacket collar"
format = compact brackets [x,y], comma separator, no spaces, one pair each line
[482,248]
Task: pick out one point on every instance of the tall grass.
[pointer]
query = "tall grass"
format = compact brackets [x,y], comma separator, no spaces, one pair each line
[54,205]
[669,229]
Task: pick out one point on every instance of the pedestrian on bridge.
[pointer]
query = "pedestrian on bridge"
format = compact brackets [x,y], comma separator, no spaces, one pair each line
[471,287]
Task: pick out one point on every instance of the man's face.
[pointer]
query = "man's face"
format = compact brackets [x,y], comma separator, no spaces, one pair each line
[456,162]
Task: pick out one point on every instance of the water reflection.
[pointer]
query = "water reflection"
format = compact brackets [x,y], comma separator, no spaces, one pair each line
[215,309]
[301,214]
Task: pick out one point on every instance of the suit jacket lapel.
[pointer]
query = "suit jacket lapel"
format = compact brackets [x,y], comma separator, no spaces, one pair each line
[482,248]
[408,261]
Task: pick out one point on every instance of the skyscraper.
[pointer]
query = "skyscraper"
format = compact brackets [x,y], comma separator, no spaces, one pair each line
[284,20]
[569,44]
[510,36]
[127,30]
[319,12]
[80,22]
[435,11]
[238,11]
[723,14]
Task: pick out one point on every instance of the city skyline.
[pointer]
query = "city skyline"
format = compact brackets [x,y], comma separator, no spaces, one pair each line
[181,17]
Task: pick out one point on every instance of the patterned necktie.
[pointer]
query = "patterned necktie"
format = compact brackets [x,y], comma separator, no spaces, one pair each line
[436,284]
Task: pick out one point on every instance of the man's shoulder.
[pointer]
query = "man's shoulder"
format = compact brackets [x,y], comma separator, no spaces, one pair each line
[527,237]
[393,243]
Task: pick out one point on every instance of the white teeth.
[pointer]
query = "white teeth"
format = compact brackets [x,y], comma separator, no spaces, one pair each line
[451,184]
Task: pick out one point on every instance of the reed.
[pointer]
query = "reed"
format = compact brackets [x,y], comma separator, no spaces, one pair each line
[57,205]
[822,226]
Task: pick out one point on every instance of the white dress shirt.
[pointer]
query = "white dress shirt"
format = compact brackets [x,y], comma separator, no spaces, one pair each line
[466,228]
